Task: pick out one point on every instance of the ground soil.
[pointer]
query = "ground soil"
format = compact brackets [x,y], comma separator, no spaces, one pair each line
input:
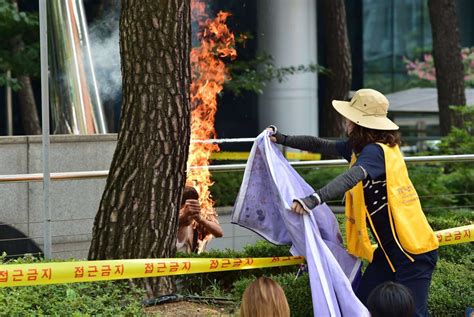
[184,308]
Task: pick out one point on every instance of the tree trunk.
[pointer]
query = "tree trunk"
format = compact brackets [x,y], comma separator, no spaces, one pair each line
[338,60]
[447,61]
[28,110]
[138,213]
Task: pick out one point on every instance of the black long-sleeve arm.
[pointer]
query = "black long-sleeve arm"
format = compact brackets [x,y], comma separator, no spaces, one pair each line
[308,143]
[335,188]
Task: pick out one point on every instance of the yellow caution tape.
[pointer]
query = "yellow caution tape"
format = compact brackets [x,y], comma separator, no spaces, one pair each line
[451,236]
[243,156]
[456,235]
[90,271]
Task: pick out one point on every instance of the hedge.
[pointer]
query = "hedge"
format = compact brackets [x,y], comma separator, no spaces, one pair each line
[451,291]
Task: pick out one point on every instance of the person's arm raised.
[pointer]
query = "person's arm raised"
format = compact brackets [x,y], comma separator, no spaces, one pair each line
[195,212]
[304,142]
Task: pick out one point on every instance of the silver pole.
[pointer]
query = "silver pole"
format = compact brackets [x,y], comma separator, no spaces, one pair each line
[45,124]
[9,106]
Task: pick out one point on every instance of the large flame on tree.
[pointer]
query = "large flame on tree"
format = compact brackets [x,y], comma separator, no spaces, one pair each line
[209,72]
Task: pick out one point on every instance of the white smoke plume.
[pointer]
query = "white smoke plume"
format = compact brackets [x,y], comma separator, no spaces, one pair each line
[104,42]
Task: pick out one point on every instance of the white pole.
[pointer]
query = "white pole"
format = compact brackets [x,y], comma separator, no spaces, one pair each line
[45,124]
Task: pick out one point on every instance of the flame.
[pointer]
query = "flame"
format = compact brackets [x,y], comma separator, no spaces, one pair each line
[209,72]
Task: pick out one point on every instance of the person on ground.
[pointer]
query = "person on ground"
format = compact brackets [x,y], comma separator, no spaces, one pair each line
[192,226]
[378,195]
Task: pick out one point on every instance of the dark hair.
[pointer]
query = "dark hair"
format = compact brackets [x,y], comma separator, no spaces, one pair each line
[391,299]
[360,137]
[189,193]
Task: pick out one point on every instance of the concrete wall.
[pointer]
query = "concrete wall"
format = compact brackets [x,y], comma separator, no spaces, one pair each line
[74,203]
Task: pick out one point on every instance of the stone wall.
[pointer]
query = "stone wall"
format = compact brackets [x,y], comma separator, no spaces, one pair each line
[73,203]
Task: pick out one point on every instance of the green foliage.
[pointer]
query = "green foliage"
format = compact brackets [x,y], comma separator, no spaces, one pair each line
[451,289]
[195,284]
[226,187]
[433,194]
[97,298]
[459,253]
[450,219]
[16,26]
[457,177]
[460,140]
[297,291]
[319,177]
[253,75]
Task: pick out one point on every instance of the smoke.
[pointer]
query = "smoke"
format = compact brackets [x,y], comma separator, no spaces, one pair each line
[104,44]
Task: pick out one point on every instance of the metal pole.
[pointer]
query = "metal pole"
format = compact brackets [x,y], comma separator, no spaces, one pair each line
[45,124]
[38,177]
[9,106]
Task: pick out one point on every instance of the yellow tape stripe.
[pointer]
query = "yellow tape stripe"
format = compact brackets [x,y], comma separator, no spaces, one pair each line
[456,235]
[243,156]
[89,271]
[464,234]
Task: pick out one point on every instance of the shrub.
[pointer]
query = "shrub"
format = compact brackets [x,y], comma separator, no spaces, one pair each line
[96,298]
[459,253]
[297,291]
[451,289]
[226,187]
[197,283]
[433,194]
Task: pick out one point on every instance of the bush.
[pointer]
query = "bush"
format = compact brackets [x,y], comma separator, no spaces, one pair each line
[451,289]
[297,291]
[459,253]
[197,283]
[433,194]
[226,187]
[96,298]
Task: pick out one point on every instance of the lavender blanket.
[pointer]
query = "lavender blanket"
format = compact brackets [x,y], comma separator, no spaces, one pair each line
[263,205]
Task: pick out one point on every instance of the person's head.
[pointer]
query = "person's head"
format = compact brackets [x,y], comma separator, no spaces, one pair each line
[366,119]
[264,297]
[189,193]
[391,299]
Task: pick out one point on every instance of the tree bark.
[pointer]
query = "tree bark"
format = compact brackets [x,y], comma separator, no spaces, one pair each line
[28,110]
[447,61]
[138,213]
[338,60]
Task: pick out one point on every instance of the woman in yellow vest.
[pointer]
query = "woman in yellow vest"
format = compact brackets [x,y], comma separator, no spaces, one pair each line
[379,197]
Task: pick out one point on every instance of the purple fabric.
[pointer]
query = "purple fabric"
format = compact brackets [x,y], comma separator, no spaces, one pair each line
[263,205]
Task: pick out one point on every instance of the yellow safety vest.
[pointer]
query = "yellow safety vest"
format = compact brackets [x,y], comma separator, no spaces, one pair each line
[410,228]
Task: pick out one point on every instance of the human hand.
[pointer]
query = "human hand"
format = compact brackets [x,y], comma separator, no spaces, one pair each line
[193,209]
[272,129]
[306,204]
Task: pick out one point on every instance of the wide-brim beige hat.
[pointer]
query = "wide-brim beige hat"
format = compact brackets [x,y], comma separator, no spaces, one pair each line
[368,108]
